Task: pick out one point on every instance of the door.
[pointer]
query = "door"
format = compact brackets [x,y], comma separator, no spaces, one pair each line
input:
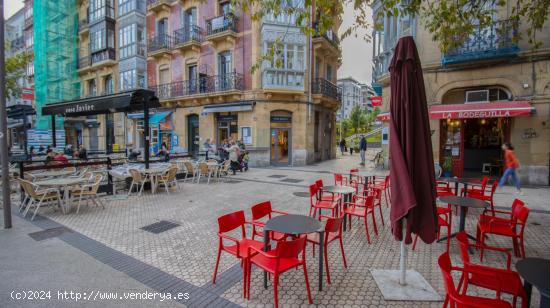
[452,146]
[280,146]
[192,76]
[193,134]
[224,69]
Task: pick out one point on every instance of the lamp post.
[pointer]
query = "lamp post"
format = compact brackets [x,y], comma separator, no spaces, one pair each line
[4,128]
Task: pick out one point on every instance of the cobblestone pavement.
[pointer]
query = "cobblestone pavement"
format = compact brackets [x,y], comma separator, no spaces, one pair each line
[188,251]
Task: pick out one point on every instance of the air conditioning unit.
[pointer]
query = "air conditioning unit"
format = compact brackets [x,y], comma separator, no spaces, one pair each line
[477,96]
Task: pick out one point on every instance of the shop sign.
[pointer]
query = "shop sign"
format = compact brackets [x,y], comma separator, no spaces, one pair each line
[376,101]
[246,135]
[227,118]
[175,141]
[281,119]
[27,94]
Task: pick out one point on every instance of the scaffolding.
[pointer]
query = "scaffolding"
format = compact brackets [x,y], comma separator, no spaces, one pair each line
[56,56]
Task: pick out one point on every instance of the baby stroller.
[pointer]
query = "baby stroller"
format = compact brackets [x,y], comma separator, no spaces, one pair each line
[243,161]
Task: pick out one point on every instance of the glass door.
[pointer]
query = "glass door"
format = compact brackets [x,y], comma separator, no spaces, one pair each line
[280,146]
[193,134]
[452,147]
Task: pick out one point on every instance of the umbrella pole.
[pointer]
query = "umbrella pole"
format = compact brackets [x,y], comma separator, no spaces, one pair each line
[403,259]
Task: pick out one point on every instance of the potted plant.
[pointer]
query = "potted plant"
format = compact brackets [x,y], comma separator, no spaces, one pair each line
[447,167]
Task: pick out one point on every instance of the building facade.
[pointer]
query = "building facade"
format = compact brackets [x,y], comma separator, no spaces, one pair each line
[490,90]
[352,96]
[200,60]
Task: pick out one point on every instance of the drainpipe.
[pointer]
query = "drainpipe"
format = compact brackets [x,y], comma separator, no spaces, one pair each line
[310,61]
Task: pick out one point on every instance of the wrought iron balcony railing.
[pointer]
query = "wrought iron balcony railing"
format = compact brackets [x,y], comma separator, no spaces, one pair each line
[495,41]
[220,24]
[106,54]
[324,87]
[188,34]
[158,42]
[202,85]
[329,35]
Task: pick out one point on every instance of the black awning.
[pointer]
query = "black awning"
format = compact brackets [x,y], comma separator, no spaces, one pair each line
[230,107]
[120,102]
[19,111]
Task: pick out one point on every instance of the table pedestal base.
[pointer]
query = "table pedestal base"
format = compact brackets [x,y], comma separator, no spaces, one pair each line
[416,289]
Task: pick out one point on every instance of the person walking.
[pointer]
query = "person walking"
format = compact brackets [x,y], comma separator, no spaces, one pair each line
[342,146]
[234,153]
[363,149]
[511,163]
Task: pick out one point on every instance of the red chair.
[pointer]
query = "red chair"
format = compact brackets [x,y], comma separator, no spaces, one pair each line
[316,203]
[444,189]
[261,211]
[509,281]
[333,232]
[486,195]
[325,195]
[339,179]
[361,207]
[384,186]
[377,194]
[513,214]
[508,229]
[453,295]
[355,177]
[476,188]
[227,223]
[277,261]
[441,223]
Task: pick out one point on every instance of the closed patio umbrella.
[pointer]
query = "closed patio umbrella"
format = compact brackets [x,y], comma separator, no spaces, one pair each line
[412,180]
[413,188]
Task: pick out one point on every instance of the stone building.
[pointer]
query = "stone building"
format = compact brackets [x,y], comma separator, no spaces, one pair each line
[490,90]
[200,59]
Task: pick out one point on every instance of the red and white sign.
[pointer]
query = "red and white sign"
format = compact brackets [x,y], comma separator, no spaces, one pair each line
[384,117]
[503,109]
[27,94]
[376,101]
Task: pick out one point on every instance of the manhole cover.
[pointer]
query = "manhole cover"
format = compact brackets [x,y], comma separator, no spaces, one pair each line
[277,176]
[303,194]
[159,227]
[291,180]
[49,233]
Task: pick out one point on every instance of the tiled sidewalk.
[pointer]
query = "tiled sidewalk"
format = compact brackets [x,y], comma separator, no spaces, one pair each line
[187,252]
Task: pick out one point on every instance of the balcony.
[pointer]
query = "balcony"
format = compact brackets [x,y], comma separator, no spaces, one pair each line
[160,45]
[83,26]
[222,28]
[99,15]
[327,41]
[84,64]
[490,43]
[189,38]
[325,88]
[202,86]
[104,57]
[157,6]
[381,64]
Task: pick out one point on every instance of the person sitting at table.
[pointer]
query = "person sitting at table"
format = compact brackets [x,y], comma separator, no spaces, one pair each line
[49,156]
[82,152]
[61,158]
[134,153]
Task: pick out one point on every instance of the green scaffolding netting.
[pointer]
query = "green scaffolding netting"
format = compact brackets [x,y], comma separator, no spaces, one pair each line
[56,55]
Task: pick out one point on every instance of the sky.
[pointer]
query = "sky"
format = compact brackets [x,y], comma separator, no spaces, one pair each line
[356,53]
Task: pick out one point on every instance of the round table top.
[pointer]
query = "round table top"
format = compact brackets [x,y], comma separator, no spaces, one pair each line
[53,173]
[364,174]
[339,189]
[459,180]
[154,170]
[464,202]
[293,224]
[536,271]
[61,182]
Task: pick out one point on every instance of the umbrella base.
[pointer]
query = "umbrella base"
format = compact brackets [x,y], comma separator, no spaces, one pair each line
[416,289]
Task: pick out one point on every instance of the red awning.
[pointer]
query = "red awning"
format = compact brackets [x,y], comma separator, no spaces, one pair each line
[502,109]
[384,117]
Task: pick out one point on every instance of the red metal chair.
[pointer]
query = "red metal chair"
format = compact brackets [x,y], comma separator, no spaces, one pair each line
[476,188]
[441,223]
[339,179]
[277,261]
[262,211]
[384,186]
[508,229]
[361,207]
[227,223]
[325,195]
[316,203]
[444,189]
[333,232]
[511,215]
[377,194]
[453,295]
[510,282]
[355,177]
[486,195]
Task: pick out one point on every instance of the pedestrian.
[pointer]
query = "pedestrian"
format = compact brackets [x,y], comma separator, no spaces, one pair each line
[342,146]
[31,152]
[363,149]
[351,145]
[234,153]
[207,147]
[511,164]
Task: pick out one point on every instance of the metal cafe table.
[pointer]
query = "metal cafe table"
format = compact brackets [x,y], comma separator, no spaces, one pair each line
[464,203]
[535,272]
[296,225]
[345,191]
[63,184]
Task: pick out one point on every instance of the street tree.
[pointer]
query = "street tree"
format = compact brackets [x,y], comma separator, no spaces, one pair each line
[15,69]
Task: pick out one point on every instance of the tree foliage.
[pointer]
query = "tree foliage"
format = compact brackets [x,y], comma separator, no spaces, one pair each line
[449,22]
[15,69]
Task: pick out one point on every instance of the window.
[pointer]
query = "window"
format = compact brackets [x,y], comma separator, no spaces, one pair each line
[29,39]
[100,9]
[97,40]
[108,85]
[28,12]
[291,73]
[127,41]
[30,69]
[224,63]
[225,8]
[283,17]
[189,18]
[162,27]
[92,90]
[329,72]
[131,79]
[126,6]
